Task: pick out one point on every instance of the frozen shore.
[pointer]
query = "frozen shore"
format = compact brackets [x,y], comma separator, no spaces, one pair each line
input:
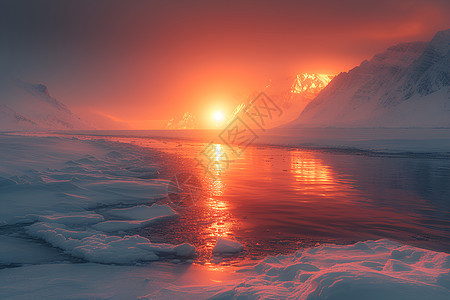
[390,140]
[367,270]
[66,206]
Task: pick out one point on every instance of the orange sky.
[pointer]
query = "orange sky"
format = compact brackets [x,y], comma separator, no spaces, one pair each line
[135,64]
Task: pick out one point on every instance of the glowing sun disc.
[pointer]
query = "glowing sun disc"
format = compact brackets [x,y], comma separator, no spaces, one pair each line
[218,116]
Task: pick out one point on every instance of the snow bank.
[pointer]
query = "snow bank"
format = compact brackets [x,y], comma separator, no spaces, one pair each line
[100,281]
[366,270]
[97,247]
[227,246]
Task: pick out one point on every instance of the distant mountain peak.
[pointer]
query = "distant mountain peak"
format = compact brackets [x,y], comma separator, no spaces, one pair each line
[441,42]
[14,119]
[29,106]
[408,47]
[187,121]
[310,84]
[40,92]
[406,85]
[41,88]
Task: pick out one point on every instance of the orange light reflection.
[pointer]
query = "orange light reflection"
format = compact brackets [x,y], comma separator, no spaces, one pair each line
[313,177]
[217,210]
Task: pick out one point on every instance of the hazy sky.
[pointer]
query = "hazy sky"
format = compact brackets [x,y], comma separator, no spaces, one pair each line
[138,61]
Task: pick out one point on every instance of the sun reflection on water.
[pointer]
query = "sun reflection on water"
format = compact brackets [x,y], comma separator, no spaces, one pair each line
[313,177]
[220,225]
[220,160]
[220,222]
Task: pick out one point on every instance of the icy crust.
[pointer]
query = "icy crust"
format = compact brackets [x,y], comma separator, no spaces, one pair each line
[71,198]
[227,246]
[142,212]
[18,251]
[366,270]
[138,216]
[54,178]
[76,218]
[95,246]
[371,270]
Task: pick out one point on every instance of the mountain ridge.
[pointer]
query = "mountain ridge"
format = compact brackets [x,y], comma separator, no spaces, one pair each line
[29,106]
[404,75]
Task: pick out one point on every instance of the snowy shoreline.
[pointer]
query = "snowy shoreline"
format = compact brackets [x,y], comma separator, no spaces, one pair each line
[366,270]
[378,140]
[64,199]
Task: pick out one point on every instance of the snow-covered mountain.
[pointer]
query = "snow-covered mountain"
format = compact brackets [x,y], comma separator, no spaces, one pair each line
[408,85]
[187,121]
[309,85]
[292,94]
[28,106]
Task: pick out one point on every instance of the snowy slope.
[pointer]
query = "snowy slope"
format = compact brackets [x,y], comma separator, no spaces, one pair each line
[408,85]
[309,85]
[28,106]
[293,94]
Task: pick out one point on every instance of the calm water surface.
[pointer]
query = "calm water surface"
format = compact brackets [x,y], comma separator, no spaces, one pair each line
[278,199]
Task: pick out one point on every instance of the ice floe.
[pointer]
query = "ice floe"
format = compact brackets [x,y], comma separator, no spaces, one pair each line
[95,246]
[227,246]
[142,212]
[57,180]
[69,198]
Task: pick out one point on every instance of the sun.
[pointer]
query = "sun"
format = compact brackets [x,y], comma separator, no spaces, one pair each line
[218,116]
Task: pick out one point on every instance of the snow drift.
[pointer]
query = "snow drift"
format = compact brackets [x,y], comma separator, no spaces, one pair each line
[380,269]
